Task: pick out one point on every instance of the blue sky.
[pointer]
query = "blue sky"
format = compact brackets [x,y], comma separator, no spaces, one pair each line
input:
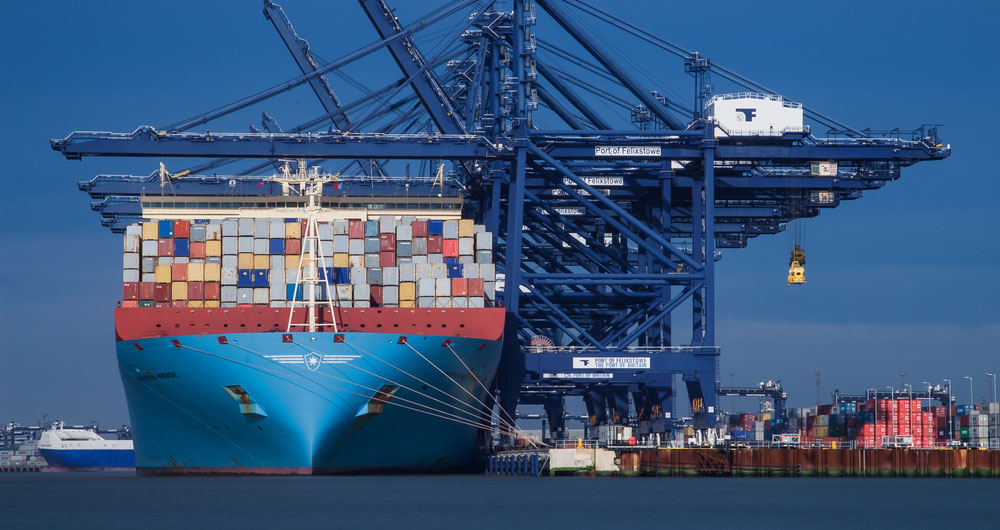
[903,280]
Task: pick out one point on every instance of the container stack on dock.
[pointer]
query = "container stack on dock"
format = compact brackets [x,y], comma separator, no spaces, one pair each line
[389,262]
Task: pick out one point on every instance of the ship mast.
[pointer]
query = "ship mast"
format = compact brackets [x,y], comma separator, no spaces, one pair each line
[310,275]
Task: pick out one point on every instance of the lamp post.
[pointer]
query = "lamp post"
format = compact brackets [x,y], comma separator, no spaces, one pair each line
[888,408]
[994,376]
[951,432]
[909,405]
[972,400]
[932,442]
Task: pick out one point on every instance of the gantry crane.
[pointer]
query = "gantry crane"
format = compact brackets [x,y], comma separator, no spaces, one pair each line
[606,223]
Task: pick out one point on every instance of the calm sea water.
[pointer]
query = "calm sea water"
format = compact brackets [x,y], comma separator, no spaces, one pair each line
[117,500]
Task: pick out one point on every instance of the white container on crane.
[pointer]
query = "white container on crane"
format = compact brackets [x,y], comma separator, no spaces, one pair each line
[753,114]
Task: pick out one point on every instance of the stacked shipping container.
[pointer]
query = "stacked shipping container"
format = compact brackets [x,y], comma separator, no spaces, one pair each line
[387,262]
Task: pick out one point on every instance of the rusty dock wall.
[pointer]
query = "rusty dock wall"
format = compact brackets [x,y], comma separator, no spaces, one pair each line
[774,462]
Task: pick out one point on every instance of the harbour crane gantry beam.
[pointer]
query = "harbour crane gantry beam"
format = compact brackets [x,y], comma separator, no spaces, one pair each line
[606,222]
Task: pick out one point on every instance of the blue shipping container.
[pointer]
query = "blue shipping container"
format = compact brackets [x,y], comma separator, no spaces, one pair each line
[166,229]
[244,278]
[342,274]
[260,278]
[455,271]
[435,227]
[182,247]
[371,228]
[292,295]
[277,246]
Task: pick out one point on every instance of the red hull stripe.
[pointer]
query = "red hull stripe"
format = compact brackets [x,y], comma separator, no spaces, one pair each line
[133,323]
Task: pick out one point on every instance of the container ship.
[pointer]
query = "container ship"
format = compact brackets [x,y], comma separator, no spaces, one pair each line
[68,449]
[307,334]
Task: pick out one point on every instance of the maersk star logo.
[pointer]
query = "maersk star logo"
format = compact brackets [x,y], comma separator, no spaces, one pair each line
[312,360]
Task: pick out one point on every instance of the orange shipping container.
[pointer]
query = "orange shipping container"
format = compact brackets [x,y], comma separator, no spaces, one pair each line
[449,247]
[179,273]
[459,286]
[197,249]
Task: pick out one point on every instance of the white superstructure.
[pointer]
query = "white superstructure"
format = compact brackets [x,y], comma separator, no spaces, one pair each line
[61,439]
[753,114]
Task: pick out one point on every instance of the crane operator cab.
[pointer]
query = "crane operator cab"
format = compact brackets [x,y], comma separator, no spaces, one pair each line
[796,271]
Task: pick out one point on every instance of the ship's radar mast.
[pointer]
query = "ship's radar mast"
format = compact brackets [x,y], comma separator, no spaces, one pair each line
[310,277]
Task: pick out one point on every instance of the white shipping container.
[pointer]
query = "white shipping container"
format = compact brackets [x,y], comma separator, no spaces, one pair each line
[470,270]
[390,276]
[466,246]
[356,261]
[197,233]
[425,301]
[476,302]
[390,295]
[132,243]
[230,245]
[278,291]
[344,292]
[459,301]
[488,272]
[148,265]
[261,247]
[231,260]
[359,275]
[478,229]
[230,227]
[442,301]
[407,273]
[134,229]
[362,292]
[484,240]
[181,259]
[148,277]
[419,260]
[150,247]
[371,260]
[276,229]
[229,275]
[213,232]
[435,258]
[356,247]
[228,293]
[450,230]
[340,227]
[277,262]
[442,287]
[425,287]
[246,227]
[130,260]
[165,260]
[130,275]
[489,288]
[341,244]
[387,224]
[244,295]
[261,295]
[439,271]
[404,232]
[325,232]
[326,248]
[245,244]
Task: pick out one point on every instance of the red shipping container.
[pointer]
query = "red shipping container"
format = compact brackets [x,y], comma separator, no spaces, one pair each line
[182,229]
[303,225]
[434,244]
[147,291]
[387,259]
[476,287]
[376,293]
[198,249]
[196,291]
[179,272]
[130,303]
[459,287]
[165,247]
[419,228]
[449,247]
[939,412]
[162,292]
[293,247]
[130,291]
[179,303]
[212,290]
[356,229]
[387,242]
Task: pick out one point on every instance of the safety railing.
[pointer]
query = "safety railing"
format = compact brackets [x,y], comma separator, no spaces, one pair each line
[624,351]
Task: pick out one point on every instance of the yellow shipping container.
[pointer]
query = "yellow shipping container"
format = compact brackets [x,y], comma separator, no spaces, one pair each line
[261,261]
[211,303]
[293,230]
[213,272]
[291,262]
[407,303]
[466,228]
[341,260]
[196,272]
[244,261]
[407,291]
[179,291]
[196,303]
[150,230]
[821,431]
[213,248]
[163,274]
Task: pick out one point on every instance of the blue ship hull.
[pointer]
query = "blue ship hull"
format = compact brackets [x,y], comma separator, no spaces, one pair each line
[89,459]
[268,403]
